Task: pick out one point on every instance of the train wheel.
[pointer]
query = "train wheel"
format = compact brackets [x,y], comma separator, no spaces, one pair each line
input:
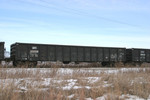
[15,63]
[105,64]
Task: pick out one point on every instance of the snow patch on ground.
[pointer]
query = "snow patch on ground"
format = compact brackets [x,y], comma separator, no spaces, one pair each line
[124,97]
[70,85]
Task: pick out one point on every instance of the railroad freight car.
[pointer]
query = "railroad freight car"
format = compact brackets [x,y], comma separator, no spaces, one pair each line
[26,52]
[2,51]
[138,55]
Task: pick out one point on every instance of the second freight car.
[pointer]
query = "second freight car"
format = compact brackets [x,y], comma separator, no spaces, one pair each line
[138,55]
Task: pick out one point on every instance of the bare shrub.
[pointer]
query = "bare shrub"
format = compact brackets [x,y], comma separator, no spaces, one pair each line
[119,65]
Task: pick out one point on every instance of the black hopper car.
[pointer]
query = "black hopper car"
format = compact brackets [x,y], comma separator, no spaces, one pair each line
[31,53]
[23,52]
[138,55]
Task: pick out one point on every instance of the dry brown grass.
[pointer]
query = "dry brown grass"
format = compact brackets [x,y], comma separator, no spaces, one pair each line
[113,85]
[76,65]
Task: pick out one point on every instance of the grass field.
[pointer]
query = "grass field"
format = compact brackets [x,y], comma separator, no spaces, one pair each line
[75,83]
